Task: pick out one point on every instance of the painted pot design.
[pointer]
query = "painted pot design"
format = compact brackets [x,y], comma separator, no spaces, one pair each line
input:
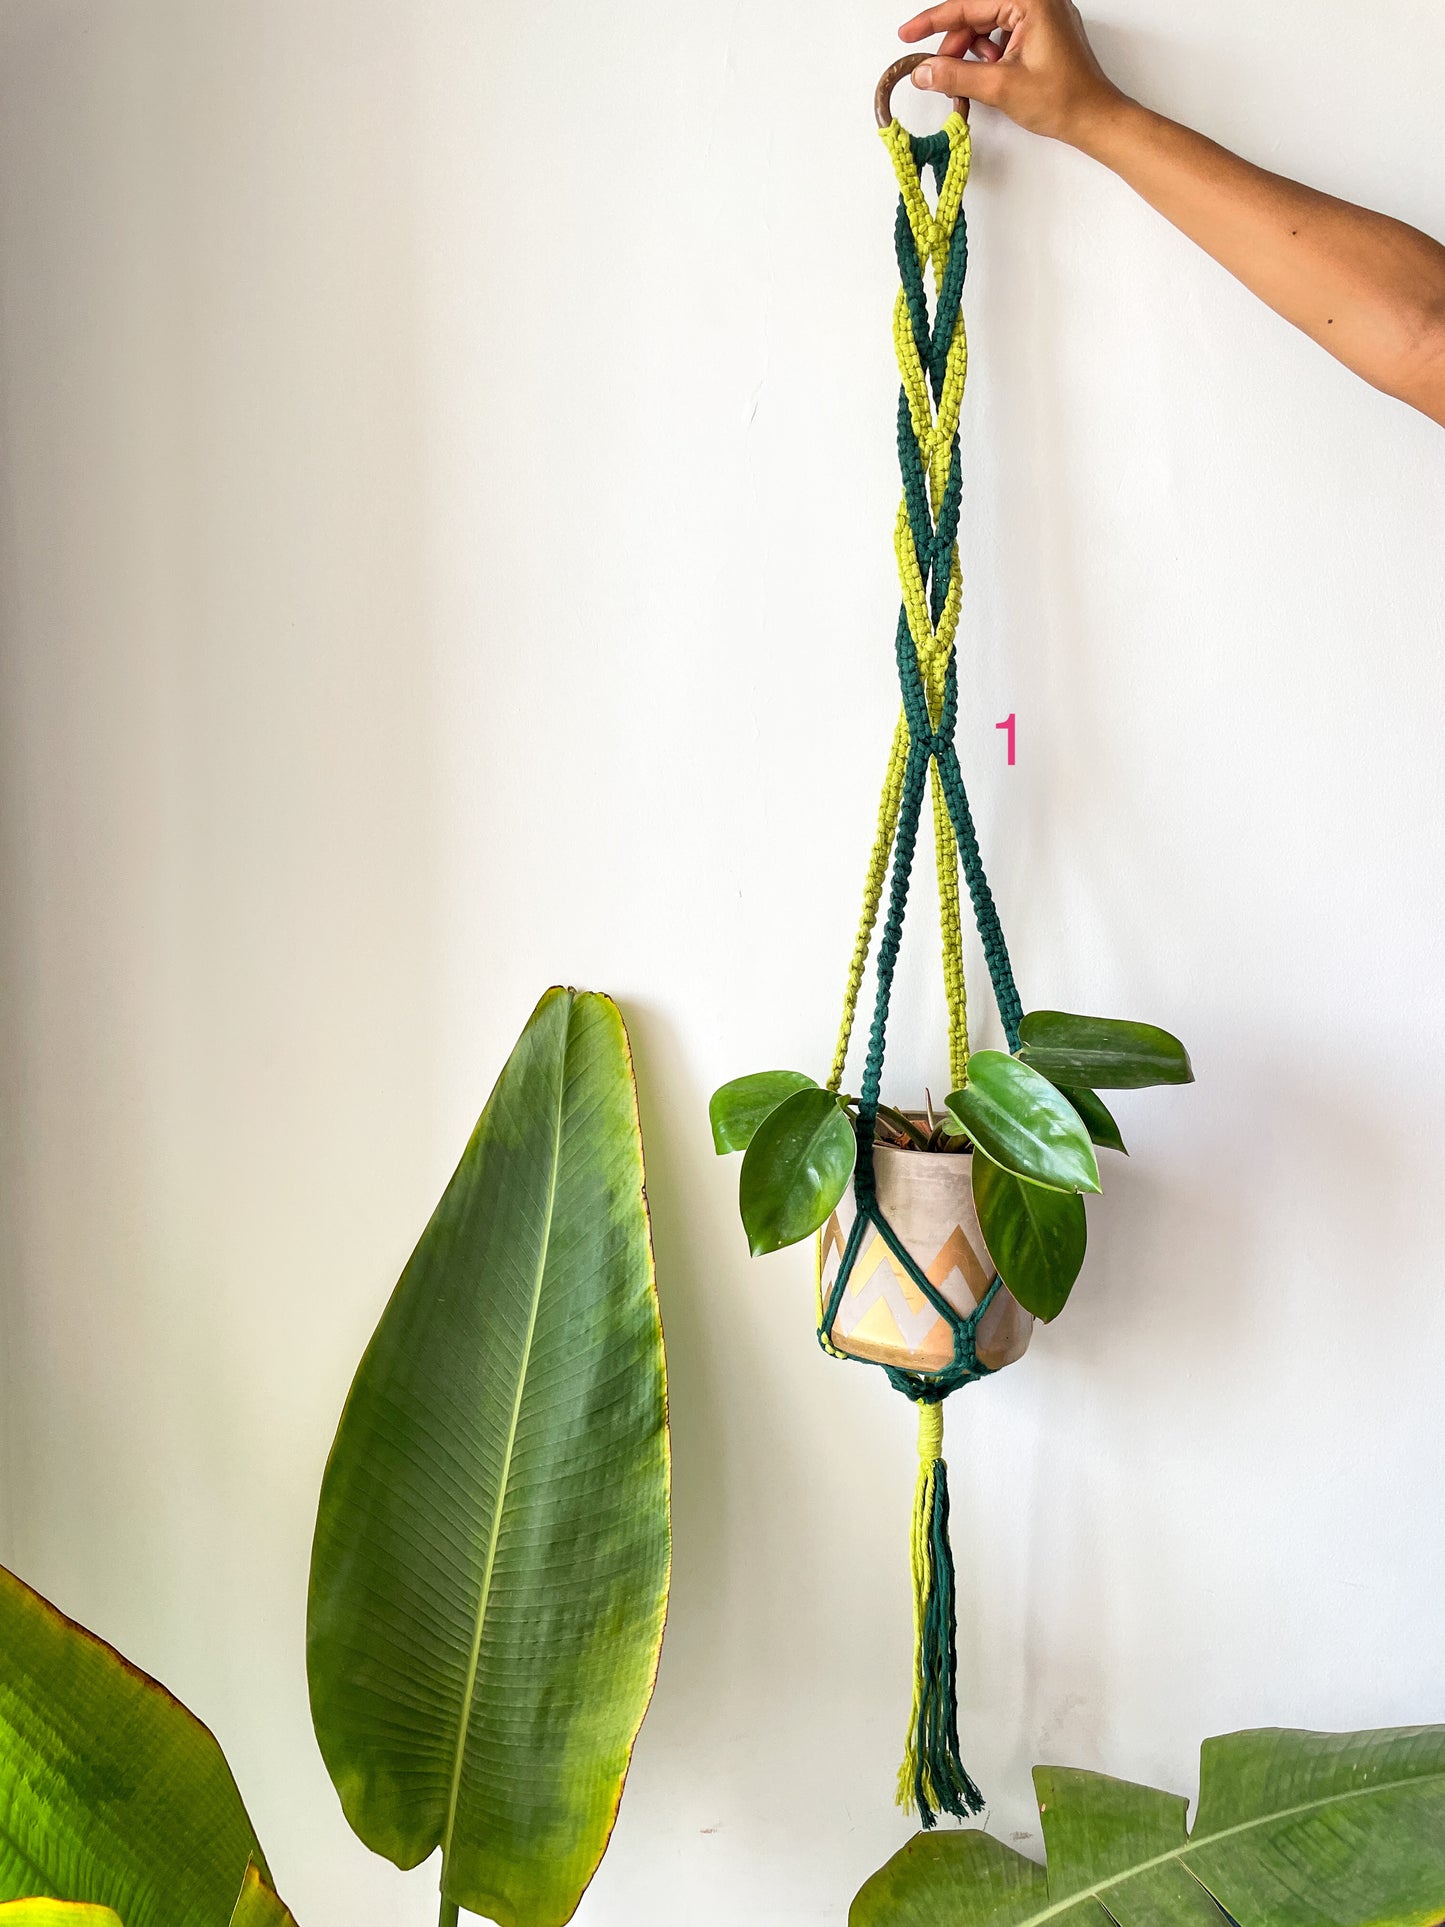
[927,1197]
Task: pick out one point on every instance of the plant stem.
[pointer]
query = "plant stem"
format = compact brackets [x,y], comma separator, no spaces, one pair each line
[449,1913]
[904,1124]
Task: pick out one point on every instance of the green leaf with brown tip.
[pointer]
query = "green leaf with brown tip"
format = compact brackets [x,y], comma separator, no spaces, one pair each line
[490,1569]
[257,1904]
[111,1793]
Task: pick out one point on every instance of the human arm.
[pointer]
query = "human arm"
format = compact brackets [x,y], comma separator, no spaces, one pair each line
[1367,288]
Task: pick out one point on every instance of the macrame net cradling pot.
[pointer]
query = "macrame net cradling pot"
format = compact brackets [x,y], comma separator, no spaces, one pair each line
[883,1317]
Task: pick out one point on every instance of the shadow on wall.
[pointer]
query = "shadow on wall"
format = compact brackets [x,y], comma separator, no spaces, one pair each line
[700,1343]
[741,1466]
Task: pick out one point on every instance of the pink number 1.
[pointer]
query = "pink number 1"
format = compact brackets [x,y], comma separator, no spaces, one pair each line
[1008,724]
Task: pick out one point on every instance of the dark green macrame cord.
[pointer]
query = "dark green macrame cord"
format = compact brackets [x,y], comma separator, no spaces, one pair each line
[936,1748]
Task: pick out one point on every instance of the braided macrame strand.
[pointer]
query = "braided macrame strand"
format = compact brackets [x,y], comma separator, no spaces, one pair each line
[933,369]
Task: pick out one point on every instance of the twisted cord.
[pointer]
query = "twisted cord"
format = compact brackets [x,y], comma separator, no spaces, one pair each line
[933,368]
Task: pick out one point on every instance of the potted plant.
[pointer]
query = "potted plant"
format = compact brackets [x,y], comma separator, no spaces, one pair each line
[995,1186]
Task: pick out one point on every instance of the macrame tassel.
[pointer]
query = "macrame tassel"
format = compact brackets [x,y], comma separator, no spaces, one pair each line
[932,1777]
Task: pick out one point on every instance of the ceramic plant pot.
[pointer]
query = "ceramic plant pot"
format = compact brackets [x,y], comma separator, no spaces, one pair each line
[927,1197]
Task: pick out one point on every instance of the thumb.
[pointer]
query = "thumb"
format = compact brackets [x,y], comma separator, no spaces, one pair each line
[963,79]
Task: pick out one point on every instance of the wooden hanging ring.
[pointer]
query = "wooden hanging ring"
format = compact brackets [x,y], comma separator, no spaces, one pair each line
[883,92]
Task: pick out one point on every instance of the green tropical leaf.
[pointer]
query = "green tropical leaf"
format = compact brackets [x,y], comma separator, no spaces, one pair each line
[795,1170]
[1024,1123]
[490,1570]
[1102,1053]
[1098,1118]
[55,1913]
[257,1904]
[111,1793]
[1294,1830]
[1035,1236]
[737,1109]
[961,1879]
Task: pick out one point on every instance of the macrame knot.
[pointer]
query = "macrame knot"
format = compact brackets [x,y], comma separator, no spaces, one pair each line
[865,1182]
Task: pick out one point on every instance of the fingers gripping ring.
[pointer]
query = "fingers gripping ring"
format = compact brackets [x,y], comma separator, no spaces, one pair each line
[883,92]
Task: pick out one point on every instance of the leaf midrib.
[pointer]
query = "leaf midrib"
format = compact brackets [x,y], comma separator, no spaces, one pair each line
[474,1663]
[34,1865]
[1245,1826]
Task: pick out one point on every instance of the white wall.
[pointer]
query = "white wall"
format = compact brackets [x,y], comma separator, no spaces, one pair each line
[447,492]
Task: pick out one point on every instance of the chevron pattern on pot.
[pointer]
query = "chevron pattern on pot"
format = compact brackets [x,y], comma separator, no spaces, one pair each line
[884,1316]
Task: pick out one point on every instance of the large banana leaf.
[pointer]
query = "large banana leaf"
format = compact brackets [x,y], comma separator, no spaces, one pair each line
[1294,1830]
[110,1791]
[490,1570]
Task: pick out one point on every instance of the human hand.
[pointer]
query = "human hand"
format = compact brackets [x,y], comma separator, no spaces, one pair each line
[1041,71]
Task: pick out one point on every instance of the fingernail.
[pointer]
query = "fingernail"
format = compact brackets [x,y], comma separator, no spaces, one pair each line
[923,76]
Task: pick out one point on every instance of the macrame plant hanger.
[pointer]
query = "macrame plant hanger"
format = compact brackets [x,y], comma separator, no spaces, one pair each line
[932,363]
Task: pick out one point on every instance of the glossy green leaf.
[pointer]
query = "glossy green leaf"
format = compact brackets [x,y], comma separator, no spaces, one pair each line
[1102,1053]
[257,1904]
[737,1109]
[490,1569]
[1035,1236]
[111,1793]
[1024,1123]
[1294,1830]
[1098,1118]
[795,1170]
[56,1913]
